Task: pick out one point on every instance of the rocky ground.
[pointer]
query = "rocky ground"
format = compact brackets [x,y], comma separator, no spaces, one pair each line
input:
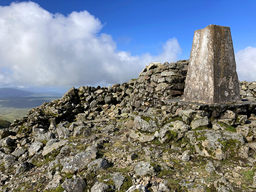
[137,136]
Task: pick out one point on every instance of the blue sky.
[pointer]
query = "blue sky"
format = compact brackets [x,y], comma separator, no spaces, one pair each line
[145,27]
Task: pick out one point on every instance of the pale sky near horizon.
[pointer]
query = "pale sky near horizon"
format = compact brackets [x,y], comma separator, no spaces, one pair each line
[59,44]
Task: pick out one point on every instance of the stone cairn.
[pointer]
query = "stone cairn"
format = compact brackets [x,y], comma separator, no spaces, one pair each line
[212,76]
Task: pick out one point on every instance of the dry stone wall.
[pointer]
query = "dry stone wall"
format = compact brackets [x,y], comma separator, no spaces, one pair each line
[156,85]
[248,90]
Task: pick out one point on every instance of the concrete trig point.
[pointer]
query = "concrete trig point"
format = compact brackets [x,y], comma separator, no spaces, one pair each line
[211,76]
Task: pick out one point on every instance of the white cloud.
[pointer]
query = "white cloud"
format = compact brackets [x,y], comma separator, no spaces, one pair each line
[38,48]
[246,64]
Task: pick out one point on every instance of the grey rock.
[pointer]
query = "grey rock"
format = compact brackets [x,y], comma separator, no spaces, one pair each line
[81,130]
[62,131]
[3,178]
[168,73]
[93,104]
[118,179]
[185,155]
[9,161]
[97,164]
[135,188]
[44,137]
[18,152]
[199,122]
[51,146]
[244,152]
[210,168]
[222,185]
[143,168]
[23,167]
[217,126]
[241,119]
[5,133]
[74,185]
[108,99]
[252,85]
[34,148]
[79,161]
[64,152]
[100,187]
[187,115]
[8,142]
[54,182]
[143,138]
[243,130]
[254,180]
[179,126]
[143,125]
[161,87]
[229,115]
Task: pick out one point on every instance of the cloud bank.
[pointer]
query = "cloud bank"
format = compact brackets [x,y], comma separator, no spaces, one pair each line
[246,64]
[38,48]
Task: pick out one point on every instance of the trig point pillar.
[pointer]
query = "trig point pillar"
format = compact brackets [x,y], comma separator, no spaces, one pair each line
[211,76]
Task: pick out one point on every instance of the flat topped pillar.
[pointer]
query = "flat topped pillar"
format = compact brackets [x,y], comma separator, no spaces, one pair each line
[211,76]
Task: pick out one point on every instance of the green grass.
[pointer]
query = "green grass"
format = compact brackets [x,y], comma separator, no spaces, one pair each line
[10,114]
[4,123]
[248,176]
[227,127]
[58,189]
[17,108]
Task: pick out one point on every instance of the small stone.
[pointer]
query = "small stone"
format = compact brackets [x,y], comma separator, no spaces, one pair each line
[23,167]
[243,130]
[161,87]
[185,155]
[9,142]
[18,152]
[4,133]
[199,122]
[134,156]
[243,152]
[180,126]
[62,131]
[229,115]
[168,73]
[81,130]
[210,167]
[241,119]
[52,146]
[34,148]
[79,161]
[8,161]
[187,115]
[108,99]
[55,182]
[97,164]
[74,185]
[145,124]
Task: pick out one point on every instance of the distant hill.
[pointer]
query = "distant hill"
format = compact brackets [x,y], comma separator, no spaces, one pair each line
[14,92]
[4,124]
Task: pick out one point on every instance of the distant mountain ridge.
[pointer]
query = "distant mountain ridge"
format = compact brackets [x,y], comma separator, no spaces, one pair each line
[14,92]
[18,93]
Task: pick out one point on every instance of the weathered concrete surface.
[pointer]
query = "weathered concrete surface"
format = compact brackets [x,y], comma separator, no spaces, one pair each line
[212,76]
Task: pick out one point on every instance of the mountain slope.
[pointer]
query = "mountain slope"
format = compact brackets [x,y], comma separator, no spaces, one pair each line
[138,136]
